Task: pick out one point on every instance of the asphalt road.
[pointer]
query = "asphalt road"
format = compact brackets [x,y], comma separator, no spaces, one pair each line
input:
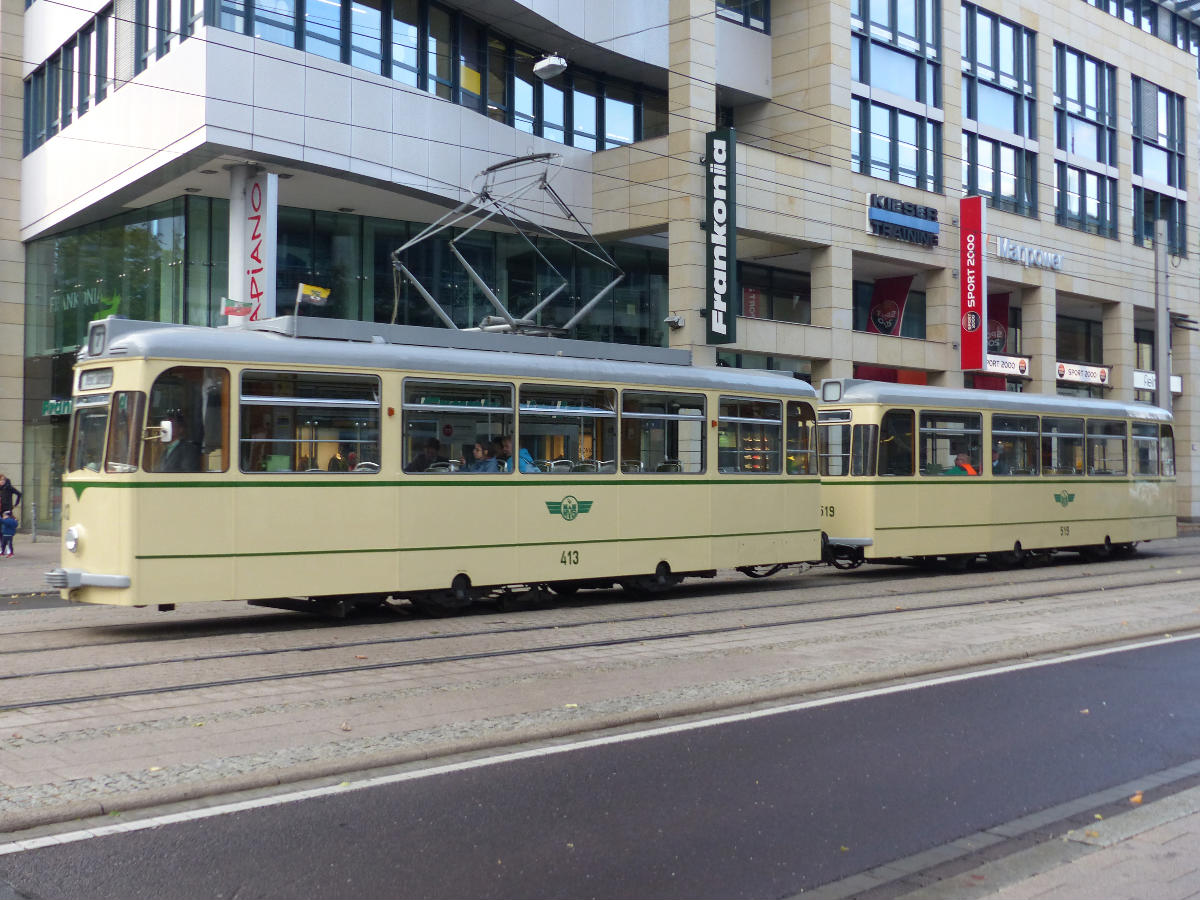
[763,807]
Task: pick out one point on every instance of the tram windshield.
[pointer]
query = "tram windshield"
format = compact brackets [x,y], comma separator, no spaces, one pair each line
[87,445]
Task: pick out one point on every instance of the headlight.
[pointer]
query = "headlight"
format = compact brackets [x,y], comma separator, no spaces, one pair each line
[71,538]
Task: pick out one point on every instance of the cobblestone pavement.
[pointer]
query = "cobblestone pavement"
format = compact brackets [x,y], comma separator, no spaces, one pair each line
[110,756]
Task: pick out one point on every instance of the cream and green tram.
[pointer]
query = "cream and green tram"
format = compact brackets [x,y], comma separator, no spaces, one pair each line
[913,472]
[307,461]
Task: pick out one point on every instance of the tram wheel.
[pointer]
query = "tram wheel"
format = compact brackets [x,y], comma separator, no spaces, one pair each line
[1097,552]
[651,585]
[565,588]
[1017,556]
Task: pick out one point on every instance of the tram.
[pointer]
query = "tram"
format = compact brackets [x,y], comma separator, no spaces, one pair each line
[924,473]
[305,462]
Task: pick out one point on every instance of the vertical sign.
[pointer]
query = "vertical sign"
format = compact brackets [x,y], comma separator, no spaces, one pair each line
[253,214]
[262,209]
[720,212]
[973,284]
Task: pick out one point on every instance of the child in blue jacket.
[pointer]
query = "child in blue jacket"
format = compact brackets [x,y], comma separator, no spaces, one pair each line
[8,528]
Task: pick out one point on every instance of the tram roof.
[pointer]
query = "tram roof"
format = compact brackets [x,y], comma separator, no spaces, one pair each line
[856,390]
[497,355]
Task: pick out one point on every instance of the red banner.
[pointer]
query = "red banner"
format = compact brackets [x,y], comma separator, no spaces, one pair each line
[887,304]
[973,283]
[997,334]
[752,306]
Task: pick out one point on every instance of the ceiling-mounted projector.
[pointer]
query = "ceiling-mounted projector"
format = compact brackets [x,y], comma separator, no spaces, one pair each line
[549,66]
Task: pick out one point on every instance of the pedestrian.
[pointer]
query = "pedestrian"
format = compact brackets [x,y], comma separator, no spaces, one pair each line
[8,528]
[10,497]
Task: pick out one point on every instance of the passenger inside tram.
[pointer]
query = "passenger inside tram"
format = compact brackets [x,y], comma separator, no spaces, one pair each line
[962,466]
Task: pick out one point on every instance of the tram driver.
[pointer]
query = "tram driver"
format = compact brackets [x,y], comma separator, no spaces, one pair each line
[183,454]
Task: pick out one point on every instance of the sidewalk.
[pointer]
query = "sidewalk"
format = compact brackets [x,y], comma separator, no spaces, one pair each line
[23,574]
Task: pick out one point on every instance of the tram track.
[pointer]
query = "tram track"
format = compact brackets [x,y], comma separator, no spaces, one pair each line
[568,646]
[866,591]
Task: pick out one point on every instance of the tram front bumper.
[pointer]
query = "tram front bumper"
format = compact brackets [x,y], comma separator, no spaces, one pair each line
[70,579]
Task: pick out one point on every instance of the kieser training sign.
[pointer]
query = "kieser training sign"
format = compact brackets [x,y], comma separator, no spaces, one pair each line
[972,284]
[900,220]
[720,212]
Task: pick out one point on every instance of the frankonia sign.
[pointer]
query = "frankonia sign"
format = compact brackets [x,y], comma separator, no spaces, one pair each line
[720,213]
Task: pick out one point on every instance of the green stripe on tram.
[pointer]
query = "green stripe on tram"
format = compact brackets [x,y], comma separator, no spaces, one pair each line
[506,546]
[360,482]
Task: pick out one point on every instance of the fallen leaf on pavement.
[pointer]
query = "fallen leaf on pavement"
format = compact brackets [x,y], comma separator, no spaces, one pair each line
[1136,798]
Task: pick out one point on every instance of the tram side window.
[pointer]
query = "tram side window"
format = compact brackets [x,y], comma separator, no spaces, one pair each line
[569,429]
[660,432]
[1168,452]
[896,442]
[1062,446]
[1145,449]
[801,434]
[87,441]
[195,401]
[749,436]
[833,442]
[864,445]
[309,422]
[1016,445]
[125,435]
[1105,447]
[444,420]
[951,443]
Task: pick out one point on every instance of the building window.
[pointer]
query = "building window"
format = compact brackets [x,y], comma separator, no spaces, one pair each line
[1085,106]
[323,28]
[439,53]
[896,145]
[276,22]
[84,67]
[897,47]
[68,84]
[53,95]
[103,36]
[1085,115]
[754,14]
[999,99]
[1148,207]
[911,313]
[778,294]
[405,24]
[366,35]
[1005,174]
[499,77]
[1159,135]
